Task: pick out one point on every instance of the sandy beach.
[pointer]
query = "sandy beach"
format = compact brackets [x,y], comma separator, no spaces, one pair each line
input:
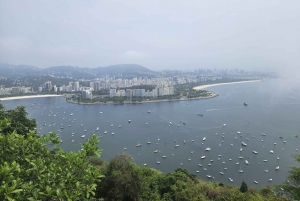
[218,84]
[23,97]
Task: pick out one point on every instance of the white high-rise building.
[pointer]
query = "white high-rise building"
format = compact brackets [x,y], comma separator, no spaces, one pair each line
[76,86]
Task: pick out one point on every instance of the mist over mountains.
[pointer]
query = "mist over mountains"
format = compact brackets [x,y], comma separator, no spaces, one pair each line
[10,71]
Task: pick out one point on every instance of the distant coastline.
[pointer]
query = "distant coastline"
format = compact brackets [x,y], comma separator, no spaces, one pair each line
[219,84]
[212,95]
[25,97]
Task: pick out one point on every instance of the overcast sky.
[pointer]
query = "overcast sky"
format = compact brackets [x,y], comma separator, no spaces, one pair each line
[245,34]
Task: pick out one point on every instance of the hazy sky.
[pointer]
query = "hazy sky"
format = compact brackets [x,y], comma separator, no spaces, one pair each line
[246,34]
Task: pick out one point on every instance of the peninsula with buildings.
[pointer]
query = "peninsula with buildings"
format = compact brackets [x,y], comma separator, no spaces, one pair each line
[116,84]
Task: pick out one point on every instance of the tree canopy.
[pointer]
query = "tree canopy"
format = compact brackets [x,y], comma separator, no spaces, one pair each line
[33,167]
[291,187]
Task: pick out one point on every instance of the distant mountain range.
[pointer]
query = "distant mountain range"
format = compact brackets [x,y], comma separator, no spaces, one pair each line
[124,70]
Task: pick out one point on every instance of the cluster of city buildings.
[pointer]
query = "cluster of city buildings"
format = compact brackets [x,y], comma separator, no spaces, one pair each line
[157,91]
[15,90]
[162,85]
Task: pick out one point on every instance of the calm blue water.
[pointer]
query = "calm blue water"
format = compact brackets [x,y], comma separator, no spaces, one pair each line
[273,108]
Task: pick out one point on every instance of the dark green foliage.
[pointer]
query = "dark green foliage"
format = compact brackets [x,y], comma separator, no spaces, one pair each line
[121,181]
[291,187]
[244,187]
[18,121]
[30,171]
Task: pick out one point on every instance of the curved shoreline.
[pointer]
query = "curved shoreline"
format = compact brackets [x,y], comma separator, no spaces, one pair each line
[225,83]
[25,97]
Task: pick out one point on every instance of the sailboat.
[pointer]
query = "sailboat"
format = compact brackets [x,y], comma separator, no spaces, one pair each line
[203,156]
[222,173]
[138,144]
[266,170]
[148,141]
[240,170]
[155,151]
[105,131]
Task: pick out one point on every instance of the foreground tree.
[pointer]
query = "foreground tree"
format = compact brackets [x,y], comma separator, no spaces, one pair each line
[18,121]
[244,187]
[121,181]
[29,170]
[292,186]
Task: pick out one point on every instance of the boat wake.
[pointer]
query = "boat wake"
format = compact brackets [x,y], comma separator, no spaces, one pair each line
[232,108]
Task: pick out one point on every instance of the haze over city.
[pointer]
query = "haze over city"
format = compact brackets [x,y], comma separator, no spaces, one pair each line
[177,35]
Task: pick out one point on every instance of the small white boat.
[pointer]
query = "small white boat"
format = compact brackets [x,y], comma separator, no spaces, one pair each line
[149,111]
[244,144]
[203,157]
[82,136]
[255,152]
[277,168]
[246,162]
[208,149]
[204,139]
[255,182]
[224,125]
[271,151]
[270,179]
[119,126]
[265,160]
[208,176]
[230,179]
